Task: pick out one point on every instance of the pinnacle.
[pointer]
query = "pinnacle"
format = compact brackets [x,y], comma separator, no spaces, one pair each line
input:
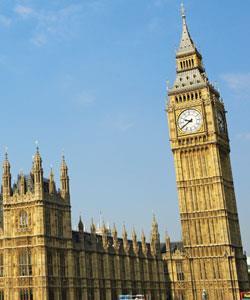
[186,44]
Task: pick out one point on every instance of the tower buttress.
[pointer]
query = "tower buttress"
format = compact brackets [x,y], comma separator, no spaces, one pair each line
[64,180]
[135,243]
[22,187]
[38,174]
[52,187]
[6,179]
[155,238]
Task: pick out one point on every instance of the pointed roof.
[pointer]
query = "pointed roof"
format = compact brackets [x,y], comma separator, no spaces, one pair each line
[6,163]
[63,163]
[80,224]
[186,45]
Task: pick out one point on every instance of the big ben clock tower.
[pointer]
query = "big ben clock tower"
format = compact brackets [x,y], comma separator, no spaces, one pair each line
[199,140]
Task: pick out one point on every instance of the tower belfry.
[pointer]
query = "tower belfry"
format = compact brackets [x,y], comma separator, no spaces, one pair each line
[212,249]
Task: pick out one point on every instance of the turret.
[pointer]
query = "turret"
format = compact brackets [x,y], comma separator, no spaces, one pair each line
[125,240]
[6,178]
[135,243]
[144,244]
[52,186]
[92,227]
[37,171]
[80,225]
[22,187]
[116,244]
[155,238]
[104,233]
[64,180]
[168,245]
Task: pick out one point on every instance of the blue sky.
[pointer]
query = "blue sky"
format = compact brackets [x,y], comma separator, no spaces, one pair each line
[89,77]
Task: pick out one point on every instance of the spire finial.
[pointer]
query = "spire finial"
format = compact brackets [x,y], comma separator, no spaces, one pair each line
[183,12]
[63,155]
[37,146]
[6,153]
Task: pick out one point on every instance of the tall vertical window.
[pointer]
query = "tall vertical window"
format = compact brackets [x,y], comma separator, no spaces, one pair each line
[62,264]
[25,267]
[23,219]
[1,266]
[1,294]
[179,271]
[26,294]
[50,262]
[59,224]
[51,294]
[47,222]
[77,264]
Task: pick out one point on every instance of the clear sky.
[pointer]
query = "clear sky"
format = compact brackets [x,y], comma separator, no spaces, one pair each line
[88,76]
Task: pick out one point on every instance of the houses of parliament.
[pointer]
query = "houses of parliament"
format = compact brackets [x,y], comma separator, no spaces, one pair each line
[42,258]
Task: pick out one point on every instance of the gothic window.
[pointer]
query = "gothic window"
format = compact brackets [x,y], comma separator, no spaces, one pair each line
[101,265]
[1,294]
[62,264]
[25,267]
[51,294]
[26,294]
[89,265]
[64,294]
[112,265]
[132,268]
[48,222]
[122,267]
[59,219]
[179,271]
[1,266]
[50,262]
[142,269]
[23,219]
[77,264]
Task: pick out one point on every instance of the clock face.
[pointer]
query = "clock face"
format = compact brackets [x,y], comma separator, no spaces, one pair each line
[221,122]
[190,121]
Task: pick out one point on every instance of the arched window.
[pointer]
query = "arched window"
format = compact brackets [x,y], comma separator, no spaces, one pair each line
[1,294]
[47,222]
[1,266]
[25,266]
[23,221]
[26,294]
[59,220]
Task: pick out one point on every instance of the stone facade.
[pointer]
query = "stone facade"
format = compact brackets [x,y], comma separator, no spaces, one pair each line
[42,258]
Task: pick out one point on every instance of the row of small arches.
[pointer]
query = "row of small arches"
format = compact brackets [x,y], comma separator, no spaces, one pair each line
[188,96]
[189,63]
[188,141]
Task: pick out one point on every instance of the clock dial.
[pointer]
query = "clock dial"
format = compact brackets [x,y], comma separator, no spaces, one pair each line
[221,122]
[190,121]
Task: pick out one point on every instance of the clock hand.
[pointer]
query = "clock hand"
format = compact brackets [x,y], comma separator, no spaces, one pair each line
[188,121]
